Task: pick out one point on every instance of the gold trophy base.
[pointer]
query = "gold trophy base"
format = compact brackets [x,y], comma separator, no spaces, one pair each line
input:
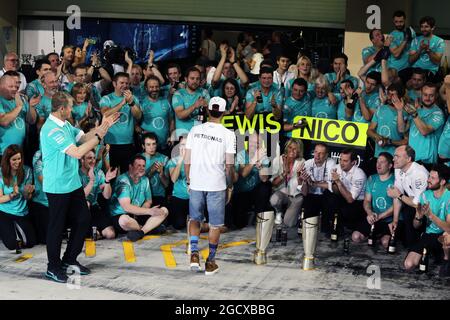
[308,264]
[259,257]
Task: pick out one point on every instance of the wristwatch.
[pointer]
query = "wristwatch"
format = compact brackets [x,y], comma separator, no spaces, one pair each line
[400,197]
[131,103]
[98,137]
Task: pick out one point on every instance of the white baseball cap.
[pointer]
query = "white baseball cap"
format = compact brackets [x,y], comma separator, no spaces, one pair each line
[217,102]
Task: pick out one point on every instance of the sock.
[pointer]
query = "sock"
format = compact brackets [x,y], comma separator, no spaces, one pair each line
[212,251]
[194,243]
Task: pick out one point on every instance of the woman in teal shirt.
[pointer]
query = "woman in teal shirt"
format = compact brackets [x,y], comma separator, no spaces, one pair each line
[81,108]
[15,189]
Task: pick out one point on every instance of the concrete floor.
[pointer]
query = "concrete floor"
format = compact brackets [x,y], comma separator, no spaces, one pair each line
[337,276]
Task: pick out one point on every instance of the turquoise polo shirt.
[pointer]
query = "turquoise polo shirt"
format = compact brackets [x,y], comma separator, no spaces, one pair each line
[373,102]
[122,131]
[139,91]
[156,117]
[367,52]
[14,133]
[182,98]
[79,111]
[249,182]
[39,195]
[440,207]
[266,105]
[125,188]
[44,107]
[34,88]
[180,187]
[18,206]
[402,62]
[156,185]
[378,190]
[426,147]
[294,108]
[332,76]
[444,142]
[437,45]
[98,182]
[322,108]
[60,170]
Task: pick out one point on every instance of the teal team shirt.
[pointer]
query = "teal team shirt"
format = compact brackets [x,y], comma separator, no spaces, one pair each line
[44,107]
[332,76]
[426,147]
[182,98]
[125,188]
[96,189]
[249,182]
[341,114]
[39,195]
[34,89]
[60,171]
[440,207]
[373,102]
[156,117]
[79,111]
[14,133]
[293,108]
[444,142]
[139,91]
[367,52]
[386,119]
[402,62]
[378,191]
[413,95]
[180,187]
[322,108]
[18,206]
[437,45]
[158,189]
[122,131]
[266,105]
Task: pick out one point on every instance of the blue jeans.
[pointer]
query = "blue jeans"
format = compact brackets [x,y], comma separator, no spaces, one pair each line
[215,202]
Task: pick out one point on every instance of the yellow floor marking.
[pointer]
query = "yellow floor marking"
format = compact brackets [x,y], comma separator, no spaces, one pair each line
[128,251]
[166,250]
[150,237]
[90,249]
[24,257]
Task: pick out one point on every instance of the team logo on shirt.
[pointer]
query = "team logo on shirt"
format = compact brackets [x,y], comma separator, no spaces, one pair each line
[123,118]
[19,123]
[385,131]
[158,123]
[381,203]
[322,115]
[359,183]
[419,184]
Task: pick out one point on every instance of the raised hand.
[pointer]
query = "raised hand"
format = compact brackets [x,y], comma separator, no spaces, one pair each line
[91,174]
[399,104]
[35,100]
[111,174]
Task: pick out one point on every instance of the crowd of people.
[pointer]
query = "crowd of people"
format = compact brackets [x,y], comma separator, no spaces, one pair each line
[104,151]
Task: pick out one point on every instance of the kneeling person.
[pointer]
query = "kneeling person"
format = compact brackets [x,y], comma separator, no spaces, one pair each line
[131,202]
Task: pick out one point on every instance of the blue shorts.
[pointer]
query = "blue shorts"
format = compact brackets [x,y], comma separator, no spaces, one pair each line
[215,202]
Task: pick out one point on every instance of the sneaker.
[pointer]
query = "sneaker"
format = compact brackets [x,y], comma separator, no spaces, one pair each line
[211,267]
[135,235]
[83,270]
[161,229]
[195,262]
[444,270]
[57,275]
[279,218]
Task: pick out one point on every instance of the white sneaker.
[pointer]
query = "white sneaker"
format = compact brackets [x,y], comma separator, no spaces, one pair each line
[279,218]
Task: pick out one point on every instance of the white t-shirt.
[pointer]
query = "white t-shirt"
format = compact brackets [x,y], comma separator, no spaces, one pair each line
[277,169]
[258,58]
[354,181]
[209,142]
[413,182]
[320,174]
[210,47]
[285,78]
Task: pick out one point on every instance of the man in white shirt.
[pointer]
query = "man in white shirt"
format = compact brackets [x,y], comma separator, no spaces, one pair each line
[349,182]
[209,167]
[410,182]
[319,186]
[11,63]
[281,76]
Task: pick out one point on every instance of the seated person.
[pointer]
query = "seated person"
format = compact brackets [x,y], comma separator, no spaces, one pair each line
[285,184]
[94,182]
[434,211]
[131,202]
[16,229]
[377,204]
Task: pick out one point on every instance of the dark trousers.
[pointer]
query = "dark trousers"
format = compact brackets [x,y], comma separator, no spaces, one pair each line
[120,156]
[178,212]
[314,204]
[412,235]
[71,207]
[258,197]
[39,217]
[9,234]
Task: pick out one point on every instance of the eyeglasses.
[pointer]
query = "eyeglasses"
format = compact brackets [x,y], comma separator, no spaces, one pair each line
[13,60]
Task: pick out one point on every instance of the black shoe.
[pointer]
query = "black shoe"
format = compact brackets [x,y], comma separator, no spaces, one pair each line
[58,275]
[161,229]
[444,271]
[135,235]
[83,270]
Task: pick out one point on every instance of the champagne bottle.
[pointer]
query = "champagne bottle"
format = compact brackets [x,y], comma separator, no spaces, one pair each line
[300,223]
[423,266]
[371,240]
[392,244]
[201,115]
[18,246]
[334,231]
